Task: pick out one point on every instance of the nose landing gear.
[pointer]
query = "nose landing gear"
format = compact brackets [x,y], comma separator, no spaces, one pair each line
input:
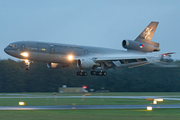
[27,62]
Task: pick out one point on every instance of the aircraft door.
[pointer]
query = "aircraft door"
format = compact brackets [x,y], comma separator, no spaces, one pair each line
[86,52]
[22,47]
[52,51]
[43,52]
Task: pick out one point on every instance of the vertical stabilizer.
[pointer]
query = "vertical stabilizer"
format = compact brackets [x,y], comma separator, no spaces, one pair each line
[147,34]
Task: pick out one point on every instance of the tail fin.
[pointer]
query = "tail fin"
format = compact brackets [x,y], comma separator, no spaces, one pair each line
[147,34]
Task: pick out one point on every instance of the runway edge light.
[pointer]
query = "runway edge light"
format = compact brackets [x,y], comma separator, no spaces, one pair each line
[149,108]
[154,102]
[159,100]
[21,103]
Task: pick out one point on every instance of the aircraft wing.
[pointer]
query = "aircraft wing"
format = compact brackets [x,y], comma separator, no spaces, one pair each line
[113,61]
[128,57]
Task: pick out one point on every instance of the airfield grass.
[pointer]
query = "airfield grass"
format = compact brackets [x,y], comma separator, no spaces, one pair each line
[115,114]
[95,94]
[70,101]
[105,94]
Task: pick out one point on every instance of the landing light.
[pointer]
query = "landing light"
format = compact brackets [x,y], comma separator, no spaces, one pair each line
[25,54]
[26,61]
[70,57]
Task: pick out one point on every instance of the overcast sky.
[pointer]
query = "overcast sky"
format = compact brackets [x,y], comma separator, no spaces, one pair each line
[103,23]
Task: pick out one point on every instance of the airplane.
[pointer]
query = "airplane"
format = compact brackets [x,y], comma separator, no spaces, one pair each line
[58,55]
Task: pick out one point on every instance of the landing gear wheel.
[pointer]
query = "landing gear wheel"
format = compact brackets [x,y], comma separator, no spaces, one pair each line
[81,73]
[78,73]
[100,73]
[27,68]
[104,73]
[93,72]
[84,73]
[97,73]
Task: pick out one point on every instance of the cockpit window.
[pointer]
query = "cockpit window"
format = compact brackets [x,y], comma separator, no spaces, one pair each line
[12,45]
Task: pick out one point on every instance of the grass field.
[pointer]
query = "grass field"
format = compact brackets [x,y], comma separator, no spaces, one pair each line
[156,114]
[69,101]
[100,94]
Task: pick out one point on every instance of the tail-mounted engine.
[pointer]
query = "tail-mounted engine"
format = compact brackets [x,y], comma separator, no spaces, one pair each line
[140,46]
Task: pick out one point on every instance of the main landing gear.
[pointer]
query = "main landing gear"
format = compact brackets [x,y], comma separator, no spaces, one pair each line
[27,62]
[81,73]
[99,73]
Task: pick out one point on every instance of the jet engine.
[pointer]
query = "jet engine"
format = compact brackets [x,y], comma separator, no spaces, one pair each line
[56,65]
[85,63]
[140,46]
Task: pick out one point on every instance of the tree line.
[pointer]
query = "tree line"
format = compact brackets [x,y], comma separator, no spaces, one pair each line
[14,78]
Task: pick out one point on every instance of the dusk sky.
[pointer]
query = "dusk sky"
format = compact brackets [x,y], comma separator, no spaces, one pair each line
[102,23]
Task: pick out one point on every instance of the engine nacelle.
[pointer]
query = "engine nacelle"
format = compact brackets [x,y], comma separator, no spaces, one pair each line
[85,63]
[139,46]
[56,65]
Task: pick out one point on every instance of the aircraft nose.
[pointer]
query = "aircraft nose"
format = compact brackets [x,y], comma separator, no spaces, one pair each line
[5,49]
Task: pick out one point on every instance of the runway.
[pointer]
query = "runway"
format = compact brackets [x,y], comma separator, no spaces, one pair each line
[129,97]
[66,107]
